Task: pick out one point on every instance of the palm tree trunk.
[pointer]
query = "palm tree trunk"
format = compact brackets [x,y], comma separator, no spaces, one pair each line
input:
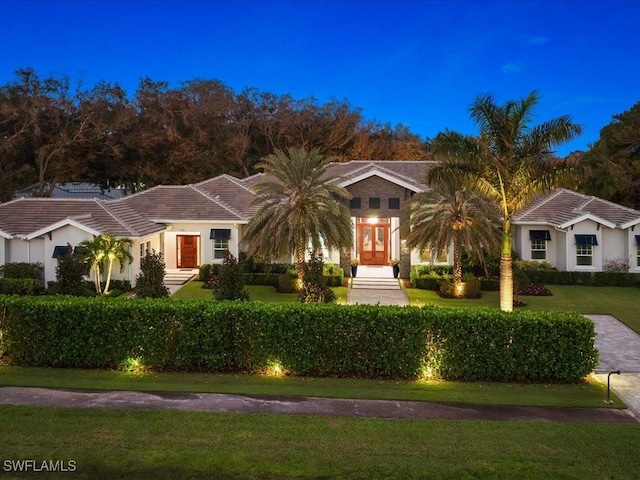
[506,271]
[108,280]
[96,278]
[300,254]
[457,264]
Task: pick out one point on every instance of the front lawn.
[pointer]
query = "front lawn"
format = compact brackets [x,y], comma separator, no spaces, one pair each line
[621,302]
[113,443]
[259,293]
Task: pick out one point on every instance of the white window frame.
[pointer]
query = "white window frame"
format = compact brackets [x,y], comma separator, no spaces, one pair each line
[584,251]
[538,246]
[219,247]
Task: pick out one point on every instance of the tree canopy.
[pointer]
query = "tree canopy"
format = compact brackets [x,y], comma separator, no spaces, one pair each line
[510,162]
[613,162]
[52,130]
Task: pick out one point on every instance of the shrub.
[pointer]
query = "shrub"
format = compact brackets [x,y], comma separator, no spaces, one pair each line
[287,283]
[317,339]
[70,274]
[471,288]
[616,265]
[207,271]
[229,284]
[20,286]
[150,281]
[314,283]
[22,270]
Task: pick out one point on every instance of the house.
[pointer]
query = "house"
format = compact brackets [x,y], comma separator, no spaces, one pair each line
[195,224]
[75,190]
[575,232]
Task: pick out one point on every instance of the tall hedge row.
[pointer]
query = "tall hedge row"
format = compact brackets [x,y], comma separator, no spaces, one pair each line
[360,340]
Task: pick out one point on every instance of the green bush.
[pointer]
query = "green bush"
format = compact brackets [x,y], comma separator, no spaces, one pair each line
[22,270]
[490,284]
[318,339]
[150,281]
[314,283]
[554,277]
[70,274]
[229,284]
[287,283]
[20,286]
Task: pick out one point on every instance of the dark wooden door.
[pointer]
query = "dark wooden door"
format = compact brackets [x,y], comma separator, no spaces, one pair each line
[187,254]
[373,243]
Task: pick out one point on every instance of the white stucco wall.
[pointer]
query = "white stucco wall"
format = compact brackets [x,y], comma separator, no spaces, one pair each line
[205,245]
[632,249]
[522,242]
[614,245]
[585,227]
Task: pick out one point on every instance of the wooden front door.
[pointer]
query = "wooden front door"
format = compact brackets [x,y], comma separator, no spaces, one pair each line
[187,254]
[373,243]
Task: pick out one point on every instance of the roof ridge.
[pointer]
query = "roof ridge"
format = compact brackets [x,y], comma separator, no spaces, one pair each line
[219,201]
[613,204]
[102,204]
[238,182]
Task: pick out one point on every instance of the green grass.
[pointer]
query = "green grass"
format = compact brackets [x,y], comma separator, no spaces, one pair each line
[621,302]
[587,394]
[112,443]
[258,293]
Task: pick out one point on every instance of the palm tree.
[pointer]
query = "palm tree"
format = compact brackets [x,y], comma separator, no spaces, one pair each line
[299,207]
[93,254]
[107,249]
[115,249]
[509,162]
[447,215]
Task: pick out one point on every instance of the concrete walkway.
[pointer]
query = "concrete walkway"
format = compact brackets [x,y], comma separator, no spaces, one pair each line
[376,286]
[619,348]
[219,403]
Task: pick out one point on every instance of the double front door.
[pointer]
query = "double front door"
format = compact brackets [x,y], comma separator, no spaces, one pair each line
[373,243]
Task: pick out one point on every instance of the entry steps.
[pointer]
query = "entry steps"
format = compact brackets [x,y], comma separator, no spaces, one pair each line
[177,277]
[375,283]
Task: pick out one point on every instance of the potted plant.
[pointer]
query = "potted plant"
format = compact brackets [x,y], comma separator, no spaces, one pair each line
[395,264]
[354,262]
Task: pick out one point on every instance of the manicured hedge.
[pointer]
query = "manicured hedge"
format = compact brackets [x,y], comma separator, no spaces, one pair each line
[598,279]
[361,340]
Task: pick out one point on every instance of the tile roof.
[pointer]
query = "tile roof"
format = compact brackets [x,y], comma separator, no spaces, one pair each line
[411,172]
[24,216]
[561,207]
[181,202]
[231,191]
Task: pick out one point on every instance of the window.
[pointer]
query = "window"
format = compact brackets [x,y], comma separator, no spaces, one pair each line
[538,250]
[584,255]
[355,203]
[221,240]
[638,250]
[584,249]
[394,203]
[442,257]
[60,251]
[374,202]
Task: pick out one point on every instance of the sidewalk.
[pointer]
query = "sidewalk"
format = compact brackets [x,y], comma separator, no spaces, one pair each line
[218,403]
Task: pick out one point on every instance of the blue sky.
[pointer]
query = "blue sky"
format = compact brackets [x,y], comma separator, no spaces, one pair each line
[419,63]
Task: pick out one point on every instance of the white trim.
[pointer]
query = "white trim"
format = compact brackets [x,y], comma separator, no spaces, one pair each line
[203,222]
[631,223]
[3,234]
[587,216]
[60,224]
[386,176]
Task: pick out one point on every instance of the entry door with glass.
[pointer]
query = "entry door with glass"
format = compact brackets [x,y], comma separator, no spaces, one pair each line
[373,242]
